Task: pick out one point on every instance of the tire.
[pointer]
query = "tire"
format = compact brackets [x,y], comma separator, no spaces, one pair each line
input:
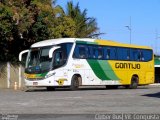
[50,88]
[134,83]
[74,83]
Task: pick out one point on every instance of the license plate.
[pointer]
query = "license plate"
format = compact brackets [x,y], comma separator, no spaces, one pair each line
[35,83]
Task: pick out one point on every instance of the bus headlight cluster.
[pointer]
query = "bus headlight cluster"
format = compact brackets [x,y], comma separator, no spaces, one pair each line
[49,75]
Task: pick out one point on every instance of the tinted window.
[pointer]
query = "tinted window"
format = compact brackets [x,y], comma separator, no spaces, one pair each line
[140,55]
[112,53]
[97,52]
[146,55]
[61,55]
[135,54]
[68,48]
[81,51]
[106,53]
[122,54]
[58,59]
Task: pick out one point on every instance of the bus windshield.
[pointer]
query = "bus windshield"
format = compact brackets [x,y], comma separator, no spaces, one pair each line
[38,60]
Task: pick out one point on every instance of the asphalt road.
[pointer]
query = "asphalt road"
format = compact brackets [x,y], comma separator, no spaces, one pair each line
[86,102]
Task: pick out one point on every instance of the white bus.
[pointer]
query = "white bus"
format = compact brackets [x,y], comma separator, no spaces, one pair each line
[72,62]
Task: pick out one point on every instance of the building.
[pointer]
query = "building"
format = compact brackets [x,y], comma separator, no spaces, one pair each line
[157,69]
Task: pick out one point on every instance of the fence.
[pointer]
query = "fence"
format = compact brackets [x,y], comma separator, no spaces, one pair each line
[11,76]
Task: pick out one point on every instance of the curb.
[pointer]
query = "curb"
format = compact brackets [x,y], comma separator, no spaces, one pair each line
[155,84]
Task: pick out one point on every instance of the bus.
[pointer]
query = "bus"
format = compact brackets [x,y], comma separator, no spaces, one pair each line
[74,62]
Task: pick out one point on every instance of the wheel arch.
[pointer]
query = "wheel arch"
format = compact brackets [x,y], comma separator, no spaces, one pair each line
[135,75]
[79,78]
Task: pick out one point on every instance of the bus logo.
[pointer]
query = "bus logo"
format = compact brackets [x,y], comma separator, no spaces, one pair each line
[127,66]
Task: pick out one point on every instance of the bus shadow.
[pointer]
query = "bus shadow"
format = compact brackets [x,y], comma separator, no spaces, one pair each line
[156,95]
[63,89]
[35,90]
[82,89]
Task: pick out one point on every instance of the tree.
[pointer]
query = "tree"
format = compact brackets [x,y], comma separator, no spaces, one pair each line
[12,27]
[85,26]
[23,22]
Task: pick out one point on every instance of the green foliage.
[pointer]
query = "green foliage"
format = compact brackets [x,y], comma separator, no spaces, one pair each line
[24,22]
[64,27]
[85,26]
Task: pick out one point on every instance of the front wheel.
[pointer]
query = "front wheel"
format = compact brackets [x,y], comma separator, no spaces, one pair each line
[74,83]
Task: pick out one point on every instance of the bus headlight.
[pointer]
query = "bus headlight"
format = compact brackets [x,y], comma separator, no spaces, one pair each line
[49,75]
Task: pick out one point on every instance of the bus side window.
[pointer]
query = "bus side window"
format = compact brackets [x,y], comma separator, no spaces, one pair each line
[100,53]
[122,53]
[76,52]
[113,53]
[139,55]
[90,52]
[147,55]
[58,59]
[142,56]
[106,53]
[128,54]
[135,55]
[82,52]
[95,53]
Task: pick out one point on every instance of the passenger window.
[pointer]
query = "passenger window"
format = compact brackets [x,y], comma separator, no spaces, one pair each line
[98,52]
[81,51]
[58,59]
[106,53]
[146,55]
[110,53]
[135,54]
[122,54]
[95,53]
[76,52]
[113,53]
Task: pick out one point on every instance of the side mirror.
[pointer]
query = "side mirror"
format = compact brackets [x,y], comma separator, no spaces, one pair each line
[52,50]
[21,53]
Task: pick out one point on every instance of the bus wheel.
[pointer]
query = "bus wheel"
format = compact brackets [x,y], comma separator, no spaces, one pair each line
[50,88]
[134,82]
[74,83]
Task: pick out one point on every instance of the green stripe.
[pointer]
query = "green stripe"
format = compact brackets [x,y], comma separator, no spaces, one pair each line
[108,69]
[102,69]
[41,75]
[97,69]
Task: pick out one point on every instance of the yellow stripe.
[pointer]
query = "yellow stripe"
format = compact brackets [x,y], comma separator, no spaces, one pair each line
[112,43]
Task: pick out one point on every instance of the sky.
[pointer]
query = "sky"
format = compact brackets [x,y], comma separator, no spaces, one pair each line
[113,16]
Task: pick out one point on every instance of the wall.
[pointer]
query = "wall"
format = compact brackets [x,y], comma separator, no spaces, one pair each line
[9,76]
